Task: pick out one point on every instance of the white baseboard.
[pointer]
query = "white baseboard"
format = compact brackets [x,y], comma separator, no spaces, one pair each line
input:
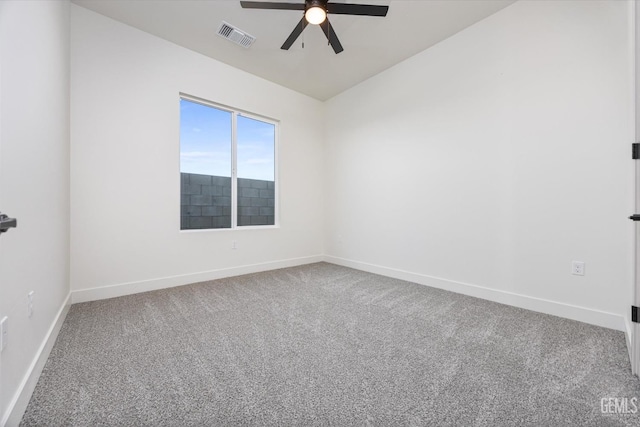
[19,403]
[93,294]
[628,337]
[568,311]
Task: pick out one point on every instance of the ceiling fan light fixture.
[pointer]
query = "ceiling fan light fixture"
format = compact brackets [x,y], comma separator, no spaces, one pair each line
[316,14]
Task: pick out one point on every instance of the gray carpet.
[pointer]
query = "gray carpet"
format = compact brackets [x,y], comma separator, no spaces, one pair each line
[326,345]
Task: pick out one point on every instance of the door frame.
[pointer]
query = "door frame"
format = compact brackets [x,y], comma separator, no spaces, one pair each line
[634,339]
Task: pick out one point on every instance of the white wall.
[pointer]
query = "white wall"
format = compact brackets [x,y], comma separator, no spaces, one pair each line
[34,185]
[125,183]
[489,162]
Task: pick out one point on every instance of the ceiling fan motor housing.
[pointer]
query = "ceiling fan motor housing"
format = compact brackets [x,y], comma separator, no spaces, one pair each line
[316,3]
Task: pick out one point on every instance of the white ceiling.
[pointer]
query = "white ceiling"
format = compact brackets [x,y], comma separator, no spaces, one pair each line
[371,44]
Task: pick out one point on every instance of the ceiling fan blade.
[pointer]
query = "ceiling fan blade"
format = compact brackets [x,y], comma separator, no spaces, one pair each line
[331,36]
[270,5]
[357,9]
[295,34]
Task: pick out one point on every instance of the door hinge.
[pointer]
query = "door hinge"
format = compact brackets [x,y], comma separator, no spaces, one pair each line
[634,314]
[635,150]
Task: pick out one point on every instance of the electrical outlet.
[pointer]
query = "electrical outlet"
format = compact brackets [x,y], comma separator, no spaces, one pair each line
[577,268]
[234,244]
[30,304]
[3,332]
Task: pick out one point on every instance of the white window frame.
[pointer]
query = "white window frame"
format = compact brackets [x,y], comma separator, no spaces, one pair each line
[235,112]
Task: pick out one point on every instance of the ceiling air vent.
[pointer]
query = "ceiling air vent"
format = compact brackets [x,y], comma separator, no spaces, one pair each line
[235,35]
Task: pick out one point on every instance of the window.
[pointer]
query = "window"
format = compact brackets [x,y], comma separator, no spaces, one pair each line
[227,167]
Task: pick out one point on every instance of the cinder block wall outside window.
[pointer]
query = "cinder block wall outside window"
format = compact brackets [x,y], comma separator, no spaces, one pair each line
[206,202]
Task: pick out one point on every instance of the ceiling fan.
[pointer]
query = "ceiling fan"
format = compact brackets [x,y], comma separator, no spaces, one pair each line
[315,12]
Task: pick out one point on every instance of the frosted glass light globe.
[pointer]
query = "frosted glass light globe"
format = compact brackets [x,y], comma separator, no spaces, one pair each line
[315,15]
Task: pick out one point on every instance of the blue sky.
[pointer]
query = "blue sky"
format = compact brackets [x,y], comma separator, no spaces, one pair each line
[205,143]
